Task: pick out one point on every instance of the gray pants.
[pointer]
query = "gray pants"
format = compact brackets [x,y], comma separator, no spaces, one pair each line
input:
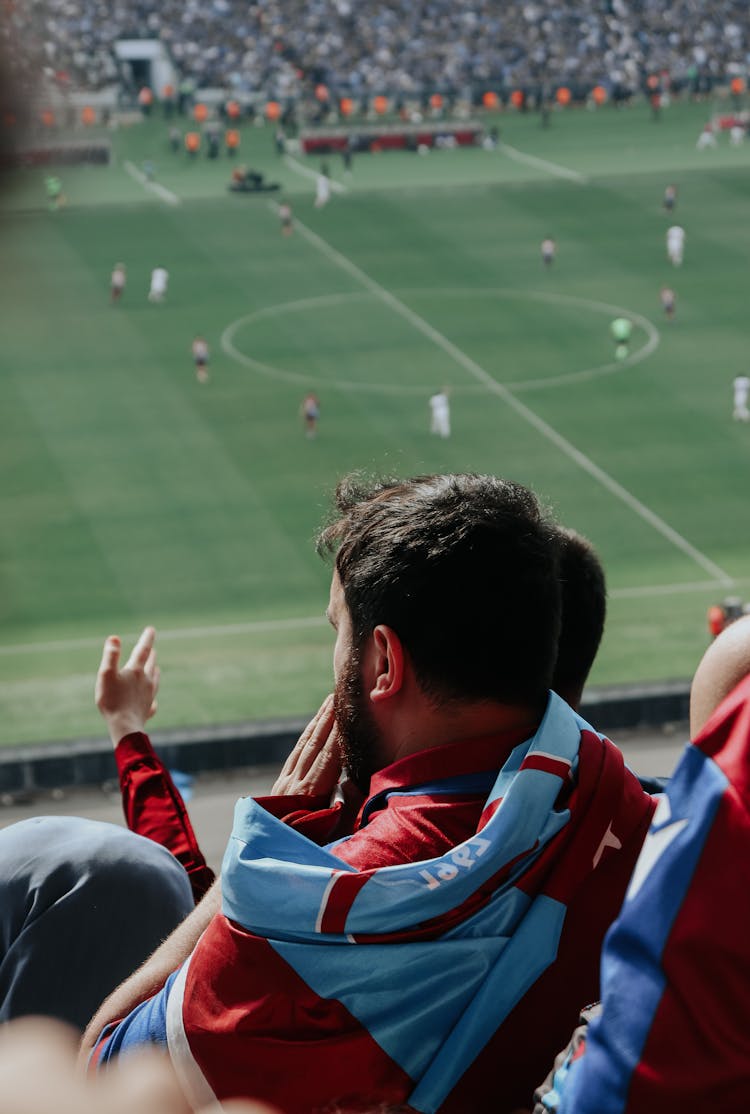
[82,904]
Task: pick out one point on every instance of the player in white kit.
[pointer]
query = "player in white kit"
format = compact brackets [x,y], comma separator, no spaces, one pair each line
[440,414]
[322,190]
[117,282]
[159,281]
[741,390]
[549,250]
[675,244]
[707,138]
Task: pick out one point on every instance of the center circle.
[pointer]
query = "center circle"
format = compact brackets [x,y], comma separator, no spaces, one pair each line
[354,339]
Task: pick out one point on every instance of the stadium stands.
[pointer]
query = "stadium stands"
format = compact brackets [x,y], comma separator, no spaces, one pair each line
[286,48]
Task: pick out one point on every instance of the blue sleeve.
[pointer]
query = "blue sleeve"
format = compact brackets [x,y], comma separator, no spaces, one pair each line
[146,1024]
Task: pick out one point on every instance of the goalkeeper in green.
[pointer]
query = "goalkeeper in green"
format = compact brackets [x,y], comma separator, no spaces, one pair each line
[622,330]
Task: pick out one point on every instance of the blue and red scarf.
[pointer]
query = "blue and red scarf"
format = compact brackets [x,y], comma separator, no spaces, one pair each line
[322,984]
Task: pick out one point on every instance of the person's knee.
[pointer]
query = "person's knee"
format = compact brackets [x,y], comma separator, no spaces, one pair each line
[82,904]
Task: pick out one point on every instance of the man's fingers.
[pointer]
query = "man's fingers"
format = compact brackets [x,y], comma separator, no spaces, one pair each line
[303,753]
[304,750]
[322,711]
[155,677]
[142,649]
[315,736]
[110,655]
[151,669]
[322,724]
[328,758]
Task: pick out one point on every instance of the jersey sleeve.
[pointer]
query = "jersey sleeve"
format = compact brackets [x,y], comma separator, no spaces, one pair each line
[674,1034]
[154,808]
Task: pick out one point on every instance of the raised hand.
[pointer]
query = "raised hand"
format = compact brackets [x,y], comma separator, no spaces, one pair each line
[126,697]
[314,765]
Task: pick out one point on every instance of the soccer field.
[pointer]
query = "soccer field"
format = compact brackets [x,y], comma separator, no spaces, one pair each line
[132,493]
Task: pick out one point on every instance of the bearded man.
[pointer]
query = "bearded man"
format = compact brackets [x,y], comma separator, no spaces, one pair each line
[415,914]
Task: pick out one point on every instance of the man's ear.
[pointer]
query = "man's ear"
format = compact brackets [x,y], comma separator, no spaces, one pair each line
[388,663]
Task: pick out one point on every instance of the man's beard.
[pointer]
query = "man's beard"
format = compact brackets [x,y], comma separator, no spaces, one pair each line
[359,735]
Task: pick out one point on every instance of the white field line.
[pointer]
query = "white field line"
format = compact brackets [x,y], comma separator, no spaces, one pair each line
[653,337]
[263,626]
[300,168]
[553,168]
[523,411]
[656,590]
[152,187]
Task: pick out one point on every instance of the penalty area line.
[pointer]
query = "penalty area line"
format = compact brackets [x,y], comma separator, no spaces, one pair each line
[529,416]
[152,187]
[553,168]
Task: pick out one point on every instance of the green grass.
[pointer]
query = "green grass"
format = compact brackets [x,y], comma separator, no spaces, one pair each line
[133,494]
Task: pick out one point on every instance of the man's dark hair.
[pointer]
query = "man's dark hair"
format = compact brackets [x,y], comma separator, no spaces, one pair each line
[464,569]
[584,609]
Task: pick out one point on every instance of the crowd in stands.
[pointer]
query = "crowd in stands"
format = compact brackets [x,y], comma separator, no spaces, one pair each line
[285,48]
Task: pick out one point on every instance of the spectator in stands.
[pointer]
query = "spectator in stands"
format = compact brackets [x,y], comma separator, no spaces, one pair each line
[74,924]
[430,691]
[724,665]
[284,49]
[154,808]
[673,1033]
[584,610]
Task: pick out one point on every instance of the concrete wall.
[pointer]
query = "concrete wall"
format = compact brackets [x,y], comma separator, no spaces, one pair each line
[90,762]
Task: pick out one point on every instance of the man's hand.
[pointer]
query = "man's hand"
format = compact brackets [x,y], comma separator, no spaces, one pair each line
[127,697]
[314,765]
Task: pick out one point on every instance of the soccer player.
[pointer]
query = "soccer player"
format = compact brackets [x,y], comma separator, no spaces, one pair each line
[285,216]
[706,138]
[668,300]
[159,281]
[322,190]
[670,198]
[621,329]
[741,390]
[549,249]
[117,282]
[310,411]
[55,195]
[675,244]
[440,420]
[200,352]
